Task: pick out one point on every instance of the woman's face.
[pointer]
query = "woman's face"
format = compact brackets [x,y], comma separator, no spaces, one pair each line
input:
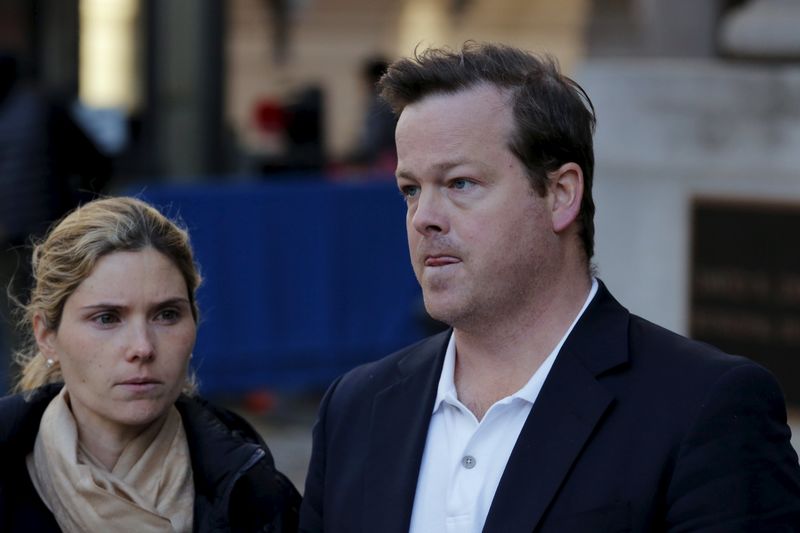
[124,341]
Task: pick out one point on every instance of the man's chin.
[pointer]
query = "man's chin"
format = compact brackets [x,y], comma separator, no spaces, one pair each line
[446,311]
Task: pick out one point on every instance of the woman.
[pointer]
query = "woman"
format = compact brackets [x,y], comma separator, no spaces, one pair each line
[107,435]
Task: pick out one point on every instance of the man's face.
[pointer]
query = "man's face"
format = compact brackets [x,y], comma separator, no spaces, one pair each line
[481,240]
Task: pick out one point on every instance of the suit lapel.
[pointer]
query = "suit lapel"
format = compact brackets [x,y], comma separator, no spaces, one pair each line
[570,405]
[552,437]
[397,436]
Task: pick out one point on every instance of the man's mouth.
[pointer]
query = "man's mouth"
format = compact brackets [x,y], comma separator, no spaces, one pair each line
[440,260]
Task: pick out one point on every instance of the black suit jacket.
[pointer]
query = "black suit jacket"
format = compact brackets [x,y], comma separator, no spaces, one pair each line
[635,429]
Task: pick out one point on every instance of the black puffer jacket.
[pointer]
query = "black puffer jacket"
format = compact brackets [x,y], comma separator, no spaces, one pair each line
[236,485]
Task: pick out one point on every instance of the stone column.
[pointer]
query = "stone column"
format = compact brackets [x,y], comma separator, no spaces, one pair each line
[185,86]
[762,29]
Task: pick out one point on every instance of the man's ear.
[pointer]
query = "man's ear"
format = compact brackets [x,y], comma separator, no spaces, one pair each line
[45,337]
[566,191]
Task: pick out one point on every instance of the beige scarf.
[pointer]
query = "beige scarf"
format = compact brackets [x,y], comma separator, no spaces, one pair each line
[150,488]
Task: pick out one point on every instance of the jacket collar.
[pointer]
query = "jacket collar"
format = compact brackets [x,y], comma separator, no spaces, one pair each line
[568,408]
[21,414]
[600,339]
[209,431]
[398,428]
[221,445]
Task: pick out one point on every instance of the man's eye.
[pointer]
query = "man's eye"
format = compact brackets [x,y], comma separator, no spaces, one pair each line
[460,183]
[105,319]
[409,191]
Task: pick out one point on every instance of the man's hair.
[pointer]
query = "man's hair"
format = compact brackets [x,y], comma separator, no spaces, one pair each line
[553,116]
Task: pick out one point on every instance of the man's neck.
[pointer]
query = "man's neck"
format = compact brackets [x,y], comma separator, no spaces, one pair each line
[496,360]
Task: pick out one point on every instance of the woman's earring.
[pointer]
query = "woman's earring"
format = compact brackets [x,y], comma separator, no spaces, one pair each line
[50,363]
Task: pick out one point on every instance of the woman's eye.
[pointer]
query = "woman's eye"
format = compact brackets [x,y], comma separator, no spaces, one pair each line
[168,315]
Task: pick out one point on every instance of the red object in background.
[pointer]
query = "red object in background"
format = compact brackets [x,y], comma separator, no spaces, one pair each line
[260,402]
[269,116]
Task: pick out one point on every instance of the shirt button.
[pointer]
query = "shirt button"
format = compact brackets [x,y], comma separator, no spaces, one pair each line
[468,462]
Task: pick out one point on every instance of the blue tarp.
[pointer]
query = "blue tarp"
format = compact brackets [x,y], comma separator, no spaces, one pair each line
[303,280]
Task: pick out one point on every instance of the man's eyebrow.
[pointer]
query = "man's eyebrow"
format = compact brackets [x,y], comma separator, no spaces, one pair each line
[404,174]
[439,167]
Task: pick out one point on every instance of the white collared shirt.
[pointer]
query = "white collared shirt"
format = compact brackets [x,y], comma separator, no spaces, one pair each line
[463,458]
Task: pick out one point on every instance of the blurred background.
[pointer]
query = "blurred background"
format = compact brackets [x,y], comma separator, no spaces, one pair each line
[256,123]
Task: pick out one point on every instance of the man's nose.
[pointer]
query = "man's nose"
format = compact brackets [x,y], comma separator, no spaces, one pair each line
[430,213]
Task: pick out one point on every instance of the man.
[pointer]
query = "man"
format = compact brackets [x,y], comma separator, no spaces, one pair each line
[547,407]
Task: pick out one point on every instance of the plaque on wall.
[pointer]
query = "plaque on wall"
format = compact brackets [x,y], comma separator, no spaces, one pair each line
[745,283]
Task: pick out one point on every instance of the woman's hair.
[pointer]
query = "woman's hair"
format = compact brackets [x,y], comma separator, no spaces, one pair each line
[68,254]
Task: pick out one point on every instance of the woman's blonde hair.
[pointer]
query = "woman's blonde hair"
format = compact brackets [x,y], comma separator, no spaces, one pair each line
[68,254]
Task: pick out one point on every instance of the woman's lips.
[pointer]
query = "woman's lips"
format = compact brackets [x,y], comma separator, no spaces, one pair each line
[140,384]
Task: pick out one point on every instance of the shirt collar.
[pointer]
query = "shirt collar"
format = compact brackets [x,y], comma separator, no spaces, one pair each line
[446,391]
